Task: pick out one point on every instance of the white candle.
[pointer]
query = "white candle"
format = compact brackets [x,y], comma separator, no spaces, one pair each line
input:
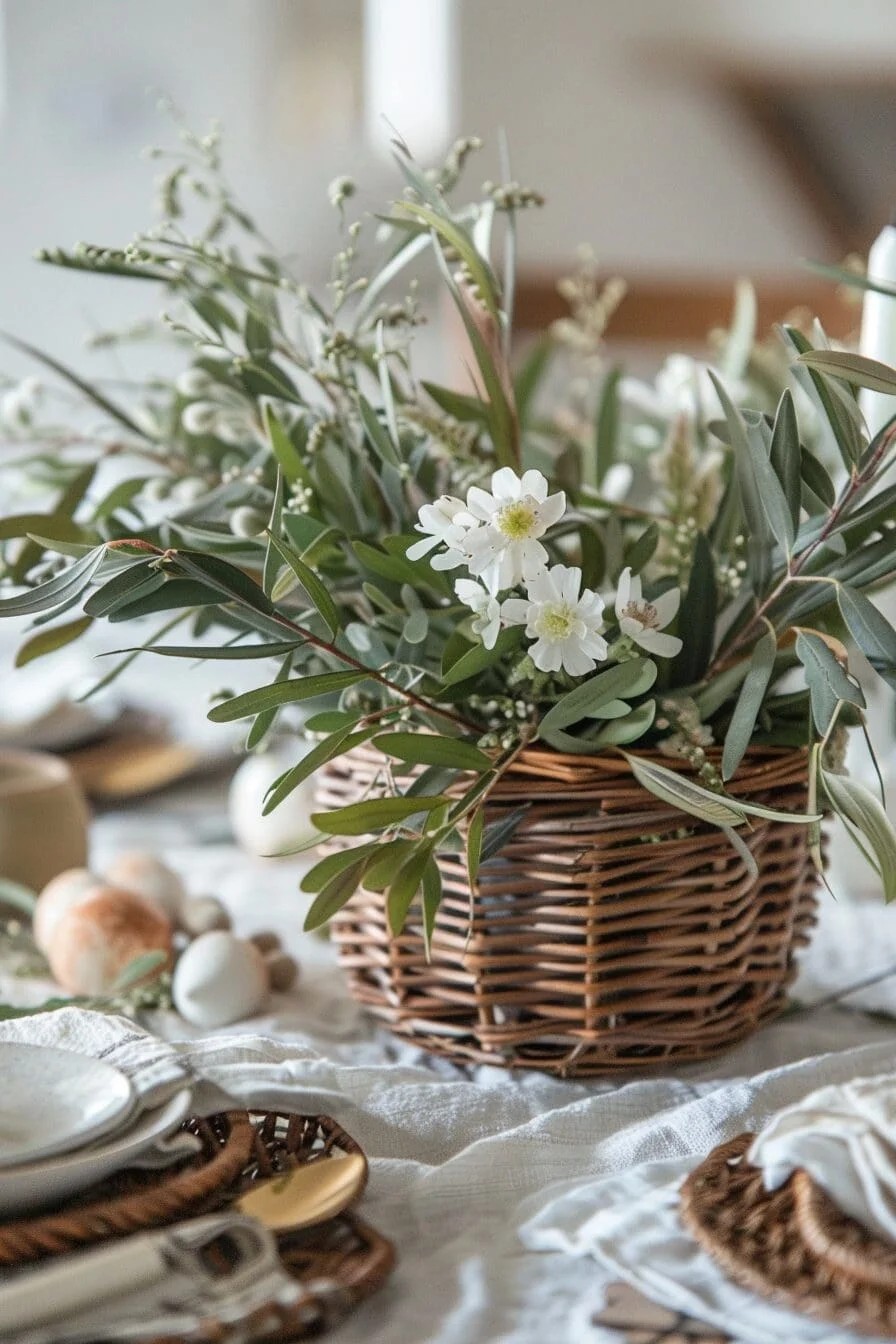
[878,338]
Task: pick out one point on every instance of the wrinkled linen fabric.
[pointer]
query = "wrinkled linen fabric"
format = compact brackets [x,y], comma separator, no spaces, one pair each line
[463,1169]
[845,1138]
[462,1161]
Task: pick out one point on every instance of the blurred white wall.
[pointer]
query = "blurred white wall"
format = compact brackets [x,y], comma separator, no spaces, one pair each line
[635,155]
[82,81]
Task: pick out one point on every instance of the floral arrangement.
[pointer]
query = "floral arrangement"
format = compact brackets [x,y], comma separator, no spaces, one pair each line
[555,558]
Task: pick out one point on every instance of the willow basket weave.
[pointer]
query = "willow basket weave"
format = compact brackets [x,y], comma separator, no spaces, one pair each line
[612,932]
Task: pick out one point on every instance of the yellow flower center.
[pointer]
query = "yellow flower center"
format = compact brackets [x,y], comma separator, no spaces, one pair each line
[644,613]
[557,622]
[517,520]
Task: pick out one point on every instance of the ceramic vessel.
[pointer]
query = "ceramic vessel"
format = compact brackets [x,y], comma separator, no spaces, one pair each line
[43,818]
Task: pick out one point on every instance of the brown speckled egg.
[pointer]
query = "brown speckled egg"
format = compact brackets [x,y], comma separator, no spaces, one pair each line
[95,941]
[148,876]
[59,896]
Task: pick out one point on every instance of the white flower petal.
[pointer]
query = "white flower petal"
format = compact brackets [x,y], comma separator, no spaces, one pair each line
[666,606]
[623,591]
[596,645]
[545,656]
[654,641]
[541,587]
[506,485]
[421,548]
[481,504]
[470,593]
[490,633]
[448,560]
[552,510]
[575,661]
[532,557]
[569,582]
[535,484]
[515,611]
[591,607]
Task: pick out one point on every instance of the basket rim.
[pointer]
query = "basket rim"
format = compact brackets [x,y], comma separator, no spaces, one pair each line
[540,760]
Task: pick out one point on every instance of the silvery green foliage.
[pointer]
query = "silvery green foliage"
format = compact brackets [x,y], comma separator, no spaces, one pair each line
[302,497]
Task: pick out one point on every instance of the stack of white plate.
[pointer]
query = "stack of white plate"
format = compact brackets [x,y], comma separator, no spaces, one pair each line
[66,1122]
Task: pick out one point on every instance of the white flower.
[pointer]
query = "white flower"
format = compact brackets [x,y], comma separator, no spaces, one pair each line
[564,622]
[503,544]
[643,621]
[485,607]
[682,387]
[440,521]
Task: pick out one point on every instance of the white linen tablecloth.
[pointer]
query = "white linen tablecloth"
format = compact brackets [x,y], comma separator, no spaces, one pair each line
[460,1162]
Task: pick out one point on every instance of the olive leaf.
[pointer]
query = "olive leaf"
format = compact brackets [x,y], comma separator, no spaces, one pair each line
[749,703]
[828,683]
[862,813]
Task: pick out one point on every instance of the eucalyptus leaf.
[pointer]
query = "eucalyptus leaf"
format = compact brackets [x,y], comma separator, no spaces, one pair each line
[430,749]
[334,895]
[786,455]
[858,370]
[627,728]
[337,744]
[749,703]
[828,683]
[313,585]
[404,888]
[697,616]
[684,794]
[333,864]
[53,638]
[431,899]
[474,846]
[374,814]
[143,968]
[871,631]
[17,895]
[632,678]
[283,693]
[67,585]
[862,812]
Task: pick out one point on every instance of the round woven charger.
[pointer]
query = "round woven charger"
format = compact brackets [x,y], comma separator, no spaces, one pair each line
[338,1263]
[236,1149]
[792,1244]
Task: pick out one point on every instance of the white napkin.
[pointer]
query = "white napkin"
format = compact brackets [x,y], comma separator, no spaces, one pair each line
[630,1224]
[627,1220]
[845,1138]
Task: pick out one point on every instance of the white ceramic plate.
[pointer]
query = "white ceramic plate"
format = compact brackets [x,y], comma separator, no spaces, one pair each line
[39,1184]
[53,1101]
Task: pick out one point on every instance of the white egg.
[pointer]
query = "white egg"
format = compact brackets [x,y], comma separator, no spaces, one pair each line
[65,891]
[219,979]
[289,824]
[147,876]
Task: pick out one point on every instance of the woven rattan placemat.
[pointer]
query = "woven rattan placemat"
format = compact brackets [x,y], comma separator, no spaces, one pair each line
[338,1263]
[791,1245]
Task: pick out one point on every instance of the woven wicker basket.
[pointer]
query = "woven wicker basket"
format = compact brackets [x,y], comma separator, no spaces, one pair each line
[611,933]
